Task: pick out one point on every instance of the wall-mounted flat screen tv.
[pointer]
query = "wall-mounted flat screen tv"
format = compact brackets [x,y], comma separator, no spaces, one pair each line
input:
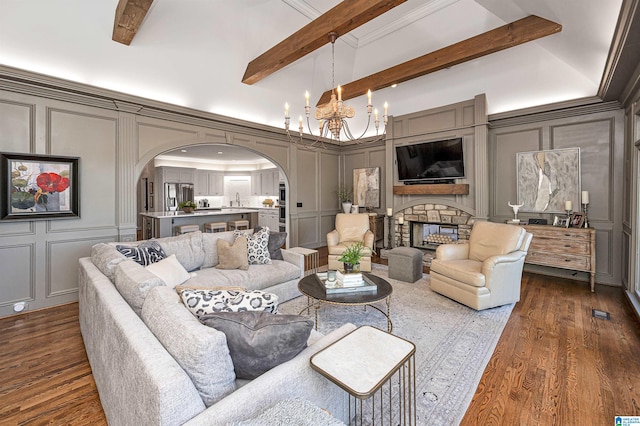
[430,161]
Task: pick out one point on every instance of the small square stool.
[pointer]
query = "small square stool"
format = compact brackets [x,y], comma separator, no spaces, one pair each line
[238,224]
[183,229]
[215,227]
[405,264]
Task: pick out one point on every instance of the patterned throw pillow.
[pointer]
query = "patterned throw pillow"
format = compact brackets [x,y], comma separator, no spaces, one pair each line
[257,246]
[203,302]
[276,241]
[145,254]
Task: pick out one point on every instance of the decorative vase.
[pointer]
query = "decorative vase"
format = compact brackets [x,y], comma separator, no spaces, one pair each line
[187,209]
[346,207]
[350,268]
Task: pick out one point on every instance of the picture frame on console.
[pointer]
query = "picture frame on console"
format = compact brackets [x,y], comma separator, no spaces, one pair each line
[577,220]
[39,187]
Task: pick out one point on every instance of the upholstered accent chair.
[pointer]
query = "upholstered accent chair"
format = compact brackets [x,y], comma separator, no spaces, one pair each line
[350,228]
[487,271]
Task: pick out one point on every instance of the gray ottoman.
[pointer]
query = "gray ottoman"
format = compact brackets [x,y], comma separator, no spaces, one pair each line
[405,264]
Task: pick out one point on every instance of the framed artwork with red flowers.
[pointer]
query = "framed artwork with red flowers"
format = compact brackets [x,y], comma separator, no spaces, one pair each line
[38,187]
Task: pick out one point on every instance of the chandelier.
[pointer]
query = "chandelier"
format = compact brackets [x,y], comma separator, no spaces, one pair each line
[332,116]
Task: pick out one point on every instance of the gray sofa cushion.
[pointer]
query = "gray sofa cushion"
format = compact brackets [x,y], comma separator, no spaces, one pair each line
[186,247]
[106,258]
[257,277]
[259,341]
[133,282]
[201,351]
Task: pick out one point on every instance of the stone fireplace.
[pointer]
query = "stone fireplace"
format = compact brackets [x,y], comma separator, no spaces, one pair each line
[425,226]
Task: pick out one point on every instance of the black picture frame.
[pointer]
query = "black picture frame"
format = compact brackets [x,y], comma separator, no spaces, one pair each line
[36,187]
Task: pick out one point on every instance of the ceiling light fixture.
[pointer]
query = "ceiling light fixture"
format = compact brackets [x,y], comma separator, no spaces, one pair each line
[332,116]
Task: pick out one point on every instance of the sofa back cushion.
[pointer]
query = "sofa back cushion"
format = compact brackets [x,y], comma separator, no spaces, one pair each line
[187,248]
[133,282]
[200,350]
[106,258]
[491,239]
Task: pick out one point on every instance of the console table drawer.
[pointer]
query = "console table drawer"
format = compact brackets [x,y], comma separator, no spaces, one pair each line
[559,245]
[566,248]
[566,261]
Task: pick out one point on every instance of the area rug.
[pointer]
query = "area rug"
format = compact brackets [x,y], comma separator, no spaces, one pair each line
[453,342]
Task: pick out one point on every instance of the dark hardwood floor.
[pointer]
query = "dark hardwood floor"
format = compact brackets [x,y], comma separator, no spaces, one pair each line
[554,364]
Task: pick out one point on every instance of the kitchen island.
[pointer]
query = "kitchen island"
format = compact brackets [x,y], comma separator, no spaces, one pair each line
[162,224]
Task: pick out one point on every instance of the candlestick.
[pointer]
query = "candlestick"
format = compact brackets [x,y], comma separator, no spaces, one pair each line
[401,238]
[389,230]
[585,209]
[568,213]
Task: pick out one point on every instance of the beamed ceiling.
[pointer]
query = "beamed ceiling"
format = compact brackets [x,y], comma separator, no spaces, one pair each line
[245,58]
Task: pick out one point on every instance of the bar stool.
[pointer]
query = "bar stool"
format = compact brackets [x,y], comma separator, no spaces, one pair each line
[215,227]
[238,224]
[183,229]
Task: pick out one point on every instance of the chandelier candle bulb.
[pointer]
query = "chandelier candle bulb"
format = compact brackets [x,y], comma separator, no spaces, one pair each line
[585,197]
[286,110]
[306,97]
[369,96]
[386,108]
[339,93]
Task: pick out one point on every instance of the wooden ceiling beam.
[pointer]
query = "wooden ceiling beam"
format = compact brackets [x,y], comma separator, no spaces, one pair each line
[515,33]
[129,17]
[341,19]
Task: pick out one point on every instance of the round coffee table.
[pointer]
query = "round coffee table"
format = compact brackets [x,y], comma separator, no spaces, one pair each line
[312,287]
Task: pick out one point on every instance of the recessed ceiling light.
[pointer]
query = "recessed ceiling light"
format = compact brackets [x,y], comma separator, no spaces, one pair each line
[394,85]
[219,152]
[183,150]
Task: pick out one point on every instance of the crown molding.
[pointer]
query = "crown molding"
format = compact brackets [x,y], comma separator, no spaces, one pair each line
[571,108]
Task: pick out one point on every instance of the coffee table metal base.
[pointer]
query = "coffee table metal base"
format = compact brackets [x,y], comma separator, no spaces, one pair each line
[316,303]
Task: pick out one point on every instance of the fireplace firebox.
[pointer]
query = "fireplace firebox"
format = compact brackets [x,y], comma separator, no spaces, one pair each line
[429,236]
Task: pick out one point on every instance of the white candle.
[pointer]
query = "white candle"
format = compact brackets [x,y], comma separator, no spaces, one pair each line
[386,108]
[339,93]
[400,220]
[389,211]
[286,109]
[369,96]
[306,97]
[585,197]
[568,205]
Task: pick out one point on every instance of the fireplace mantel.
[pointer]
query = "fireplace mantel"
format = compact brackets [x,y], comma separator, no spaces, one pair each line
[432,189]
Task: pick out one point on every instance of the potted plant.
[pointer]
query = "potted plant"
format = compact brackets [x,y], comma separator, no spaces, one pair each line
[344,196]
[351,257]
[188,206]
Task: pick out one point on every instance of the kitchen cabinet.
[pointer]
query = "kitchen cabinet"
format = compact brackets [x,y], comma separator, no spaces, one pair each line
[256,187]
[209,183]
[269,217]
[176,174]
[269,183]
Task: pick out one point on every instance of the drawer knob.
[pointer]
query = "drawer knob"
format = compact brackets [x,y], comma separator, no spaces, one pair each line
[567,260]
[567,246]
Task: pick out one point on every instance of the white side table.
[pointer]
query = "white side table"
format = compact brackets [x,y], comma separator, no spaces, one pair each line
[311,259]
[362,363]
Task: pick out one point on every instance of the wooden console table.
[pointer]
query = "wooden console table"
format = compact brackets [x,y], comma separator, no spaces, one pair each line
[566,248]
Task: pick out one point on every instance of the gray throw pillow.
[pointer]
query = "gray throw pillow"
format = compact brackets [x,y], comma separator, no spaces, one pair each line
[276,240]
[259,341]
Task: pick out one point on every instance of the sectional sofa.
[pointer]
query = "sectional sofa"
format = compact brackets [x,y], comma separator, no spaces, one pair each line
[153,361]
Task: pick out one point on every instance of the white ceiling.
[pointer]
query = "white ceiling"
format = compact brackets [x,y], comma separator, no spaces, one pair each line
[194,52]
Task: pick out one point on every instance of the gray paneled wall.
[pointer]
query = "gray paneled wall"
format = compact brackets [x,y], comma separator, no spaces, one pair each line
[600,137]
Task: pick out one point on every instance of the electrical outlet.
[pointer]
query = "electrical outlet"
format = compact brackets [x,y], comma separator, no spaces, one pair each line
[20,306]
[298,204]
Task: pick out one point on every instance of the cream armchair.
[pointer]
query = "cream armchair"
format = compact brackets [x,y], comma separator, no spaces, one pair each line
[350,228]
[486,272]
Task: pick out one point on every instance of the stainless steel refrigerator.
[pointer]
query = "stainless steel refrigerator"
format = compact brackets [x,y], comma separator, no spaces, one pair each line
[176,193]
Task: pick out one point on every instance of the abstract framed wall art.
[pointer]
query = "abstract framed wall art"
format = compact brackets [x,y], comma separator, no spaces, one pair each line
[546,179]
[366,185]
[38,187]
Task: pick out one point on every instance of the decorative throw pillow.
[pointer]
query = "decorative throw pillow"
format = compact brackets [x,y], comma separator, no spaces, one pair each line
[232,256]
[276,241]
[259,341]
[257,246]
[203,302]
[170,271]
[144,254]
